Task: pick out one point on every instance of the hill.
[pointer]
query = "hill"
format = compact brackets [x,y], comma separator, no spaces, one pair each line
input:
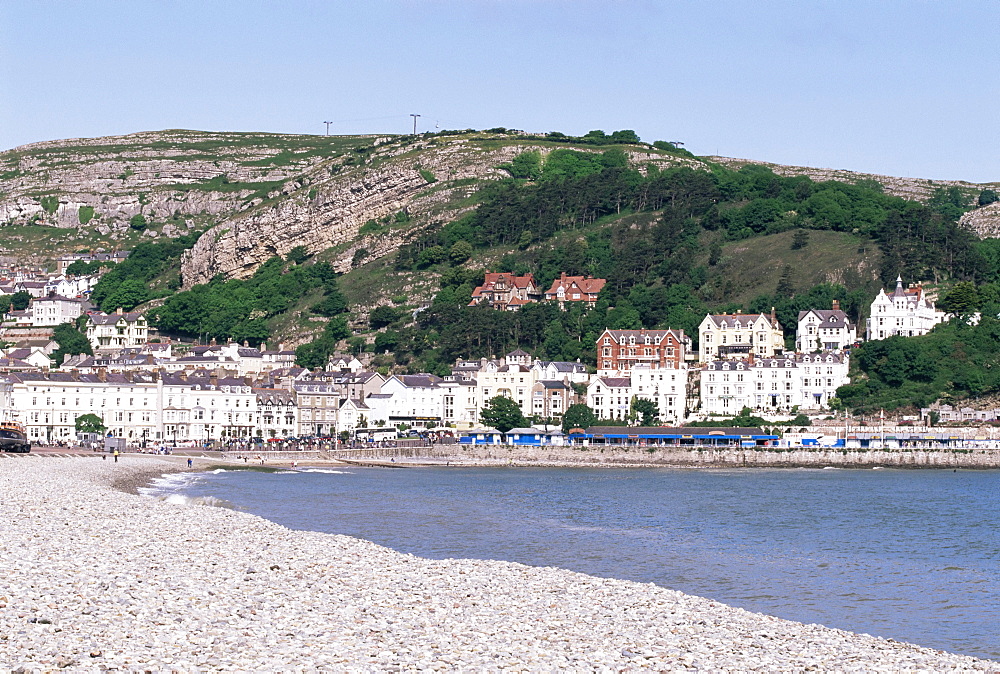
[410,223]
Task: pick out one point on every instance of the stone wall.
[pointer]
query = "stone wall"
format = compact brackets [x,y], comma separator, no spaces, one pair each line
[722,458]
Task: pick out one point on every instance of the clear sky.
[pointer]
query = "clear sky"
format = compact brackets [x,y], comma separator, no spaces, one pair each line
[898,87]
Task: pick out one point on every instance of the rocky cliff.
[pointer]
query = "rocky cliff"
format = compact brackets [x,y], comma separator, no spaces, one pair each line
[428,180]
[264,194]
[99,184]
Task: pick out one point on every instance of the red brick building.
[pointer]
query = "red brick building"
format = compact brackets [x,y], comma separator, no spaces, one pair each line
[619,350]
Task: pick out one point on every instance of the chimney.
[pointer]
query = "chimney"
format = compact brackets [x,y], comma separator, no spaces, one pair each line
[836,305]
[213,379]
[119,311]
[773,318]
[102,374]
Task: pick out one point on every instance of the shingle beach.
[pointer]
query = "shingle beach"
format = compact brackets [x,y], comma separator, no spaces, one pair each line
[95,578]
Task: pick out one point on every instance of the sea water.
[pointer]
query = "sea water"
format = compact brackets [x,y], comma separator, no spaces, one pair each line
[912,555]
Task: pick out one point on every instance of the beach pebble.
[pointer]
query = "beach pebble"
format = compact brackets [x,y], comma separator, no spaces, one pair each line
[98,579]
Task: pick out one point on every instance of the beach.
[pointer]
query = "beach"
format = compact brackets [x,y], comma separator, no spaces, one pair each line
[97,578]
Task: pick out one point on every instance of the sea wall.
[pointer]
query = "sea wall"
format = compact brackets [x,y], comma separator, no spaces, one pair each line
[721,458]
[101,580]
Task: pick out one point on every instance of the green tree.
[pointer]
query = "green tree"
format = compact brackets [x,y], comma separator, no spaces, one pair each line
[460,252]
[987,197]
[71,342]
[527,165]
[961,300]
[90,423]
[20,300]
[714,254]
[578,416]
[128,296]
[138,222]
[298,255]
[644,411]
[800,239]
[382,316]
[785,287]
[502,413]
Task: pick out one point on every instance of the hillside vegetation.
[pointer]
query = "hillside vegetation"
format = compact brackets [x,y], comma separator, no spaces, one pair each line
[376,243]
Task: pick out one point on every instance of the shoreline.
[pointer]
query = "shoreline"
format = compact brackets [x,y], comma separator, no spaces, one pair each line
[132,582]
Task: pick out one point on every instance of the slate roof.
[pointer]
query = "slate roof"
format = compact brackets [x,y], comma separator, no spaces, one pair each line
[615,382]
[731,320]
[829,318]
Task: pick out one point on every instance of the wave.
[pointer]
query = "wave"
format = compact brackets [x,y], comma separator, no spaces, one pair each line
[181,499]
[168,483]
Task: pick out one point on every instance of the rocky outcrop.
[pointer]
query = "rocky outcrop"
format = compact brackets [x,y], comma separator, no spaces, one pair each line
[323,210]
[984,221]
[157,174]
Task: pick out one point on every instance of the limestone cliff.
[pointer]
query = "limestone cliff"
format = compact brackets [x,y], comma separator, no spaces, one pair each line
[100,183]
[429,179]
[263,194]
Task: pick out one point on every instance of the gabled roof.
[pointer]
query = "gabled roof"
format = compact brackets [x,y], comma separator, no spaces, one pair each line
[620,336]
[101,318]
[582,284]
[731,320]
[829,318]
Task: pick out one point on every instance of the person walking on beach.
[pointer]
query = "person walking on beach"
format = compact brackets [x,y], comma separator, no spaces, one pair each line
[190,462]
[116,456]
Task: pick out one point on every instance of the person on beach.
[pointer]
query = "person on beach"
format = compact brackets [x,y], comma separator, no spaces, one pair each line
[116,456]
[190,462]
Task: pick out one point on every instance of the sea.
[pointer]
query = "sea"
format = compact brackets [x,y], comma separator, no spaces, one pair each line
[911,555]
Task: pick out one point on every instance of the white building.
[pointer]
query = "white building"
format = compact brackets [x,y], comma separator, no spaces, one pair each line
[353,414]
[610,397]
[206,407]
[55,310]
[117,330]
[461,400]
[824,330]
[514,381]
[906,312]
[666,387]
[48,404]
[555,370]
[772,385]
[278,413]
[413,399]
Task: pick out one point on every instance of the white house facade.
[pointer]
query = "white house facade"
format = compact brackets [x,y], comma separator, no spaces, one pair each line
[824,330]
[907,312]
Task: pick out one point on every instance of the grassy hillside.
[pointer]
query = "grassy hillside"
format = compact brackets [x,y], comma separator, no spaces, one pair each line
[754,266]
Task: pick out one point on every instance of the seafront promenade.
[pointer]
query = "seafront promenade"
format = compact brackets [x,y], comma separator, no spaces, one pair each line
[98,578]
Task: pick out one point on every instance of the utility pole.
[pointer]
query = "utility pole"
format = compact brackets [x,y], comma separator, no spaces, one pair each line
[328,127]
[415,123]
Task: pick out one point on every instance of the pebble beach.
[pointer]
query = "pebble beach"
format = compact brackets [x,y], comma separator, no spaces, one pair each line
[97,578]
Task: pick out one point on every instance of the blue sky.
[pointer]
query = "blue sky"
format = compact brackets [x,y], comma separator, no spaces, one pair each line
[901,88]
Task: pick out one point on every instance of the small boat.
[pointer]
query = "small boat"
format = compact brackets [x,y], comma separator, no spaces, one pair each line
[13,438]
